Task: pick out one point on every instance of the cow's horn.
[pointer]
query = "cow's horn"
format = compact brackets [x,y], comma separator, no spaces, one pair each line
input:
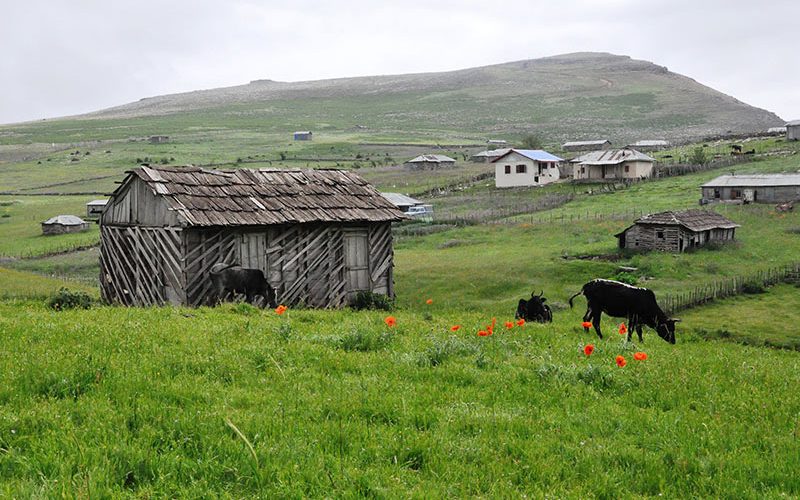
[541,293]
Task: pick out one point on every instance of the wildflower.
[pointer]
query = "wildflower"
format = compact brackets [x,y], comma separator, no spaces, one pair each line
[483,333]
[280,309]
[509,325]
[429,301]
[621,361]
[640,356]
[623,329]
[520,322]
[586,324]
[588,349]
[455,328]
[390,321]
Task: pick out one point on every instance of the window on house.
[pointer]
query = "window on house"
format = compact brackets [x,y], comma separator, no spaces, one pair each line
[583,170]
[735,193]
[521,169]
[627,168]
[508,169]
[717,194]
[660,235]
[536,178]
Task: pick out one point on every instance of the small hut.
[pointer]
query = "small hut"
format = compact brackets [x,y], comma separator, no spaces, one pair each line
[94,209]
[303,135]
[158,139]
[319,236]
[62,224]
[586,145]
[431,162]
[677,231]
[793,130]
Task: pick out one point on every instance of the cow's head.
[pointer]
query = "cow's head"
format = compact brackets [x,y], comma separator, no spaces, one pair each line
[666,330]
[536,305]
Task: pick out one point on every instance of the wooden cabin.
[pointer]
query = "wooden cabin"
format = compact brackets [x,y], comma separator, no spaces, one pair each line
[319,236]
[677,231]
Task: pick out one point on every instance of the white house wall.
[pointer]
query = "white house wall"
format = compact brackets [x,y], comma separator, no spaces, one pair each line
[530,177]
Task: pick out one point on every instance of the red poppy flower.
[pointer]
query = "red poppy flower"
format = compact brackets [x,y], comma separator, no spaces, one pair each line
[490,329]
[483,333]
[390,321]
[455,328]
[621,361]
[280,309]
[509,325]
[623,329]
[588,349]
[586,324]
[520,322]
[640,356]
[429,301]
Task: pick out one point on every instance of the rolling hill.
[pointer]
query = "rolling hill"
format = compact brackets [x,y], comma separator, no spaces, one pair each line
[572,96]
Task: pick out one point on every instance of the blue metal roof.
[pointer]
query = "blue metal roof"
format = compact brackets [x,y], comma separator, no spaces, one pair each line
[533,154]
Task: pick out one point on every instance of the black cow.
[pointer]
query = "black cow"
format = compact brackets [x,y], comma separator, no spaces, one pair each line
[620,300]
[534,309]
[233,279]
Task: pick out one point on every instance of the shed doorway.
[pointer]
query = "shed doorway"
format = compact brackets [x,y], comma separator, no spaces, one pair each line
[356,261]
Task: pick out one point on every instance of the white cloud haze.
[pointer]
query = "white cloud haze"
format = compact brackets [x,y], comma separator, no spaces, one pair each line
[63,57]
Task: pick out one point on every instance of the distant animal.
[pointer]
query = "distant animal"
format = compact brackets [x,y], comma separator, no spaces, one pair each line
[736,147]
[232,279]
[621,300]
[534,309]
[750,152]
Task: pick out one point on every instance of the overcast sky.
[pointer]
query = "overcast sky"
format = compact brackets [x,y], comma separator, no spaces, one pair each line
[64,57]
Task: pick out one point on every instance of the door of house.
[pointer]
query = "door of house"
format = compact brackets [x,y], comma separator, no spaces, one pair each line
[356,261]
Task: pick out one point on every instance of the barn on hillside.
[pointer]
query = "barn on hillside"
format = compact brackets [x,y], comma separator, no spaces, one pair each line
[677,231]
[319,236]
[62,224]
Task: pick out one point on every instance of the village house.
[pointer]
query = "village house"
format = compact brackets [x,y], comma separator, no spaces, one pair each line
[757,188]
[62,224]
[303,135]
[525,167]
[677,231]
[158,139]
[489,155]
[613,164]
[95,208]
[793,130]
[319,236]
[649,145]
[586,145]
[401,201]
[430,162]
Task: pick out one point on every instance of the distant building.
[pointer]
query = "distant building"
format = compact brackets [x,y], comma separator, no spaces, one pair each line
[94,208]
[758,188]
[586,145]
[612,164]
[430,162]
[776,130]
[158,139]
[303,135]
[401,201]
[649,145]
[489,155]
[677,231]
[497,142]
[793,130]
[525,167]
[61,224]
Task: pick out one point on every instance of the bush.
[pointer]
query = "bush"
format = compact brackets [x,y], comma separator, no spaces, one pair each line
[698,156]
[368,300]
[627,278]
[753,288]
[68,299]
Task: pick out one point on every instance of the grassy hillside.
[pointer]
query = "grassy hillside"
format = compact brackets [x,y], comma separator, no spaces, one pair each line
[574,96]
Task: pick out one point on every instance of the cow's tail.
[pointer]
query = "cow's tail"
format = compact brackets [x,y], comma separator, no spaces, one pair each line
[570,299]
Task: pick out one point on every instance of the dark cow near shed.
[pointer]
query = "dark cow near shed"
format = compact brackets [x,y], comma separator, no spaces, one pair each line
[534,309]
[232,279]
[621,300]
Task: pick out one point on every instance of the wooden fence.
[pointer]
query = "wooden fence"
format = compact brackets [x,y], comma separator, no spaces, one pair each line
[729,287]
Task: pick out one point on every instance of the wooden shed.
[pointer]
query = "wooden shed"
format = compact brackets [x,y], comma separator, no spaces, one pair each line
[677,231]
[793,130]
[319,236]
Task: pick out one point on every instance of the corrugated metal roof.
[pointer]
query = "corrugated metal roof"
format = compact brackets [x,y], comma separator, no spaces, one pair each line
[431,159]
[400,199]
[754,180]
[98,203]
[694,220]
[612,157]
[792,123]
[492,153]
[585,143]
[533,154]
[247,197]
[65,220]
[650,143]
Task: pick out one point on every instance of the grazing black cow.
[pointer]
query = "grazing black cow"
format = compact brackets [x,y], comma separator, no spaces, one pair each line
[534,309]
[233,279]
[620,300]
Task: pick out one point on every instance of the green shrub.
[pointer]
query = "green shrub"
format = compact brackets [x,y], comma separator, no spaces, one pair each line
[68,299]
[369,300]
[626,277]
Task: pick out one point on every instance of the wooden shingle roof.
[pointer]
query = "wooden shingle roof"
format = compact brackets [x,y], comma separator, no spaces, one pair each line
[694,220]
[246,197]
